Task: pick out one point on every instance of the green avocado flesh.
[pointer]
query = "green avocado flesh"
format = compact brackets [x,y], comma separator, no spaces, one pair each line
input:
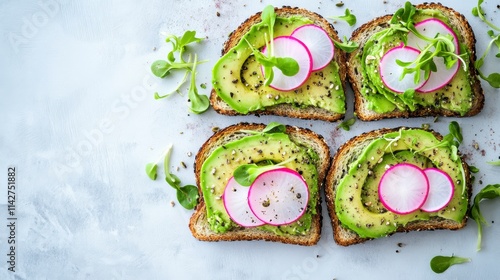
[456,96]
[357,203]
[218,168]
[238,80]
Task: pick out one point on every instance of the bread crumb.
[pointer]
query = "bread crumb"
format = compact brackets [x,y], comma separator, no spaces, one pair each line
[172,203]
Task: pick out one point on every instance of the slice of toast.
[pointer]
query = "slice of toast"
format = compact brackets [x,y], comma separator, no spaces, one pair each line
[286,109]
[347,154]
[199,225]
[465,35]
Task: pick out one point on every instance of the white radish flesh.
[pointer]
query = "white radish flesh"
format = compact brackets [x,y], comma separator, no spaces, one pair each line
[403,188]
[441,190]
[279,197]
[287,46]
[430,28]
[390,71]
[235,199]
[318,42]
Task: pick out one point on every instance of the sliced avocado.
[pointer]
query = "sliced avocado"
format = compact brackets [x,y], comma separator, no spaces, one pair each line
[218,168]
[456,96]
[359,186]
[238,80]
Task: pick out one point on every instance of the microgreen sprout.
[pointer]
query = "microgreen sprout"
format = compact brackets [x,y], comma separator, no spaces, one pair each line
[177,62]
[272,127]
[494,78]
[488,192]
[440,264]
[496,163]
[347,17]
[438,46]
[346,125]
[247,173]
[347,46]
[186,195]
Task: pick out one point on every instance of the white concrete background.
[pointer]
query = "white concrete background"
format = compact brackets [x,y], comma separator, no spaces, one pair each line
[79,123]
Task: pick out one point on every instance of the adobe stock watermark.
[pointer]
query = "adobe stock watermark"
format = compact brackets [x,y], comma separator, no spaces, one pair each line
[120,110]
[31,25]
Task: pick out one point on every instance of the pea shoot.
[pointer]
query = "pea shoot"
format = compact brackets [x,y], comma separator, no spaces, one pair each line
[176,62]
[287,65]
[347,46]
[494,78]
[488,192]
[347,17]
[440,264]
[186,195]
[346,124]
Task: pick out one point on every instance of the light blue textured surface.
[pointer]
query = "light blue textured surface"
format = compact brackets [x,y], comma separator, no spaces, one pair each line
[79,123]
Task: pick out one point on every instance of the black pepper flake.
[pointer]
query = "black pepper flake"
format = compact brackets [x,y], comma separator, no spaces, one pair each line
[218,14]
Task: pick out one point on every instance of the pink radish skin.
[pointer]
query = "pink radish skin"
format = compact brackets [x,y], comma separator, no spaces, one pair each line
[390,71]
[430,28]
[288,46]
[441,190]
[279,196]
[235,200]
[403,188]
[318,42]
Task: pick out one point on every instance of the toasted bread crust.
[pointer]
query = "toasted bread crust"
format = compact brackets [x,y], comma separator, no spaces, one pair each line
[350,150]
[198,223]
[287,110]
[364,32]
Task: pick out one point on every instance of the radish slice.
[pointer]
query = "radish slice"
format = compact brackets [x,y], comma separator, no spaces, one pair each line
[235,199]
[441,190]
[430,28]
[390,71]
[287,46]
[403,188]
[318,42]
[279,196]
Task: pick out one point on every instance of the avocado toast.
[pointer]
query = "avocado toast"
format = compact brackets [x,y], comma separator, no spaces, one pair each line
[306,152]
[238,83]
[462,96]
[353,202]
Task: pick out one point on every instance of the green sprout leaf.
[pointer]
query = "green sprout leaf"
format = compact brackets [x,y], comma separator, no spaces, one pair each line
[347,17]
[246,174]
[488,192]
[199,103]
[346,125]
[188,196]
[287,65]
[492,79]
[151,169]
[440,264]
[171,179]
[473,169]
[456,131]
[274,127]
[162,68]
[347,46]
[496,163]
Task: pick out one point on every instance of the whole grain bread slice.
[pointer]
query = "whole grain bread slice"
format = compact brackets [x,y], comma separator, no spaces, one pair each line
[347,154]
[199,225]
[364,32]
[287,110]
